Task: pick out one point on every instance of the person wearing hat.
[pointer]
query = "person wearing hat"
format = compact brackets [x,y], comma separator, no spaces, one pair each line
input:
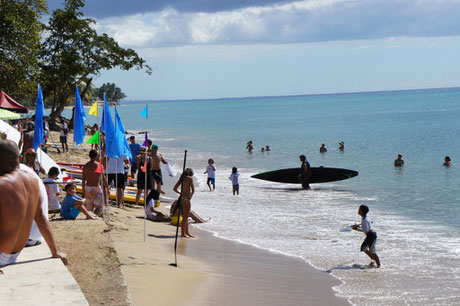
[30,160]
[157,158]
[305,172]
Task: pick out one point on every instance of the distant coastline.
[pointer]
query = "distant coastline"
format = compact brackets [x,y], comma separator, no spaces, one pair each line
[290,96]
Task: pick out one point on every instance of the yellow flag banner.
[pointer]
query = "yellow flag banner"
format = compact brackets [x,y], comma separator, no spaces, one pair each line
[93,109]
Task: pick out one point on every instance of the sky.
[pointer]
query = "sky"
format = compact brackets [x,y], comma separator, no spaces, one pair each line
[204,49]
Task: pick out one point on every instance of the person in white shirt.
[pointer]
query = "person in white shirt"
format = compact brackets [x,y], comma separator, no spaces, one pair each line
[63,135]
[115,169]
[368,245]
[52,189]
[211,171]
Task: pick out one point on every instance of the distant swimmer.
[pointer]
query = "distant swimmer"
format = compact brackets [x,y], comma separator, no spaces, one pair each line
[262,149]
[249,146]
[368,245]
[305,172]
[447,162]
[267,148]
[323,148]
[341,146]
[399,162]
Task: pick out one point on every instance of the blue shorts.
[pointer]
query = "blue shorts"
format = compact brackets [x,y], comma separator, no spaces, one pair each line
[211,180]
[72,213]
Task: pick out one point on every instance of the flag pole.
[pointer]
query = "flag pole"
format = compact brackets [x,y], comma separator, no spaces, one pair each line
[145,182]
[116,170]
[101,177]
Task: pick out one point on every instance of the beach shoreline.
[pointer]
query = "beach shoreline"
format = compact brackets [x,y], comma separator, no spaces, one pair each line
[210,269]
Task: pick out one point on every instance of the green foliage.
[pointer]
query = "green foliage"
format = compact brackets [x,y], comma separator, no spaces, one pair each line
[20,30]
[73,51]
[113,93]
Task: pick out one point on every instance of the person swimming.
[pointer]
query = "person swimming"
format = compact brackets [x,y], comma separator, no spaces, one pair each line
[447,162]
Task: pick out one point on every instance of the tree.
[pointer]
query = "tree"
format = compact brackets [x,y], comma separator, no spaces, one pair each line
[112,92]
[20,30]
[73,51]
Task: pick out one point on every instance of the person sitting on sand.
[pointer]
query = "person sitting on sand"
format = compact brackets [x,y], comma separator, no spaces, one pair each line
[323,148]
[368,246]
[73,205]
[16,220]
[91,185]
[187,190]
[447,162]
[151,212]
[193,215]
[399,162]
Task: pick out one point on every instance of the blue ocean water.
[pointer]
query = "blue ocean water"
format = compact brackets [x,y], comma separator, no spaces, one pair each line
[415,209]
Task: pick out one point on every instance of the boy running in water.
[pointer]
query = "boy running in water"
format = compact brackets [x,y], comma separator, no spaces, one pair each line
[368,246]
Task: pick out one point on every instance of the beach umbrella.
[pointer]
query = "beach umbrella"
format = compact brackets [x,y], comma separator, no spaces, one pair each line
[7,115]
[39,113]
[79,121]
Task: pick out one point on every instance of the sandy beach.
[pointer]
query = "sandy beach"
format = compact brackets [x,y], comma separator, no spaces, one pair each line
[114,265]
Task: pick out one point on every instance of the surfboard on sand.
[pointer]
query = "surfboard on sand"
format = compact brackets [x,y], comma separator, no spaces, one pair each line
[318,175]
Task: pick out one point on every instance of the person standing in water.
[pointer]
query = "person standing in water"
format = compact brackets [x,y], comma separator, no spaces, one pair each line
[235,183]
[399,162]
[186,192]
[368,245]
[323,148]
[211,171]
[305,172]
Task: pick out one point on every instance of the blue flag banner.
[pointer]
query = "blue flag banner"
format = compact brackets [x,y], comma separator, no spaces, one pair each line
[112,148]
[39,113]
[120,131]
[145,112]
[79,119]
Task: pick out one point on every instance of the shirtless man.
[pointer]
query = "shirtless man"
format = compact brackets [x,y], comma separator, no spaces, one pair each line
[27,138]
[156,172]
[21,189]
[305,172]
[187,190]
[91,185]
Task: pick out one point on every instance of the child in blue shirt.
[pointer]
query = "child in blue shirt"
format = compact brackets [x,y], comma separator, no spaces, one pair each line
[73,205]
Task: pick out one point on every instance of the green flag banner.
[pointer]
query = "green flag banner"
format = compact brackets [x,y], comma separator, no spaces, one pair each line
[94,139]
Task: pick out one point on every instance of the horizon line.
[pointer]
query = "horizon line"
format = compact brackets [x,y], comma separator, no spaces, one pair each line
[299,95]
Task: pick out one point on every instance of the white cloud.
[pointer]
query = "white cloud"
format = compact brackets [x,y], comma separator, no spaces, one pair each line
[296,22]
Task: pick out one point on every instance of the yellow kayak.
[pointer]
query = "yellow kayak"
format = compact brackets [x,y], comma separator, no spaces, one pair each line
[129,198]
